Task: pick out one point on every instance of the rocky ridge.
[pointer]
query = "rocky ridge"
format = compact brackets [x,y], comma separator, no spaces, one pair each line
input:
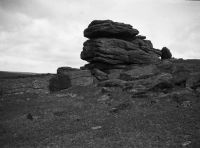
[119,57]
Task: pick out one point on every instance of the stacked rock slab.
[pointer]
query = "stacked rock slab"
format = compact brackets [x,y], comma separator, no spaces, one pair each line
[114,45]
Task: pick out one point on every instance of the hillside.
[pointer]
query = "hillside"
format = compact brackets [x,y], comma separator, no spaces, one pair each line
[129,95]
[7,74]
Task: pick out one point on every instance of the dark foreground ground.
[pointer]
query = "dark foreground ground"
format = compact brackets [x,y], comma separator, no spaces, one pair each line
[91,117]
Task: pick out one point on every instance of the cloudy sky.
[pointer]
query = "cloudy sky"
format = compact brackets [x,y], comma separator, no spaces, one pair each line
[41,35]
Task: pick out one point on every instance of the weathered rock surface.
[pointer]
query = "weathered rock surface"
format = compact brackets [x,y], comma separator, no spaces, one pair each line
[110,29]
[113,83]
[100,75]
[139,72]
[115,51]
[157,82]
[59,82]
[114,45]
[68,77]
[166,54]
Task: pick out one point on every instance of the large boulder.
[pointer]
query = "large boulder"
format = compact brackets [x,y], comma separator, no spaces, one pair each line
[166,54]
[67,78]
[59,82]
[80,77]
[110,29]
[115,51]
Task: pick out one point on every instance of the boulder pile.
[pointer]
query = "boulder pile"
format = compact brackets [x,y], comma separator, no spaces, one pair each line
[114,45]
[118,56]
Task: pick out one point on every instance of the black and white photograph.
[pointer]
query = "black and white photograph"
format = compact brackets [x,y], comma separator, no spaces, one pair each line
[100,73]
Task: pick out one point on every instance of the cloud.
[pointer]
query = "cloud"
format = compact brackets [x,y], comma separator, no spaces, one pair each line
[41,35]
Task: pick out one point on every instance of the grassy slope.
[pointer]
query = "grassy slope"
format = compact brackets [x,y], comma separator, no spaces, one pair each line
[6,74]
[66,119]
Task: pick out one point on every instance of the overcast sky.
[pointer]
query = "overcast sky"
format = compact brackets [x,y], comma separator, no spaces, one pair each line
[42,35]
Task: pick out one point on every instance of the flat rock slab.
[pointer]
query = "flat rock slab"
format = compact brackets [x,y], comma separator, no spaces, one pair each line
[108,28]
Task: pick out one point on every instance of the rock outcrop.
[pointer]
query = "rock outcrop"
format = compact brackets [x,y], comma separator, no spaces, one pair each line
[128,95]
[67,77]
[119,57]
[116,51]
[116,44]
[165,53]
[110,29]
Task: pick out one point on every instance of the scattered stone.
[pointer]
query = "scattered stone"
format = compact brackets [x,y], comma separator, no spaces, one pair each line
[29,116]
[186,143]
[96,127]
[104,98]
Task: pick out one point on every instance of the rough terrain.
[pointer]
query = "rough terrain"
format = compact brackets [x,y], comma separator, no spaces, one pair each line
[129,95]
